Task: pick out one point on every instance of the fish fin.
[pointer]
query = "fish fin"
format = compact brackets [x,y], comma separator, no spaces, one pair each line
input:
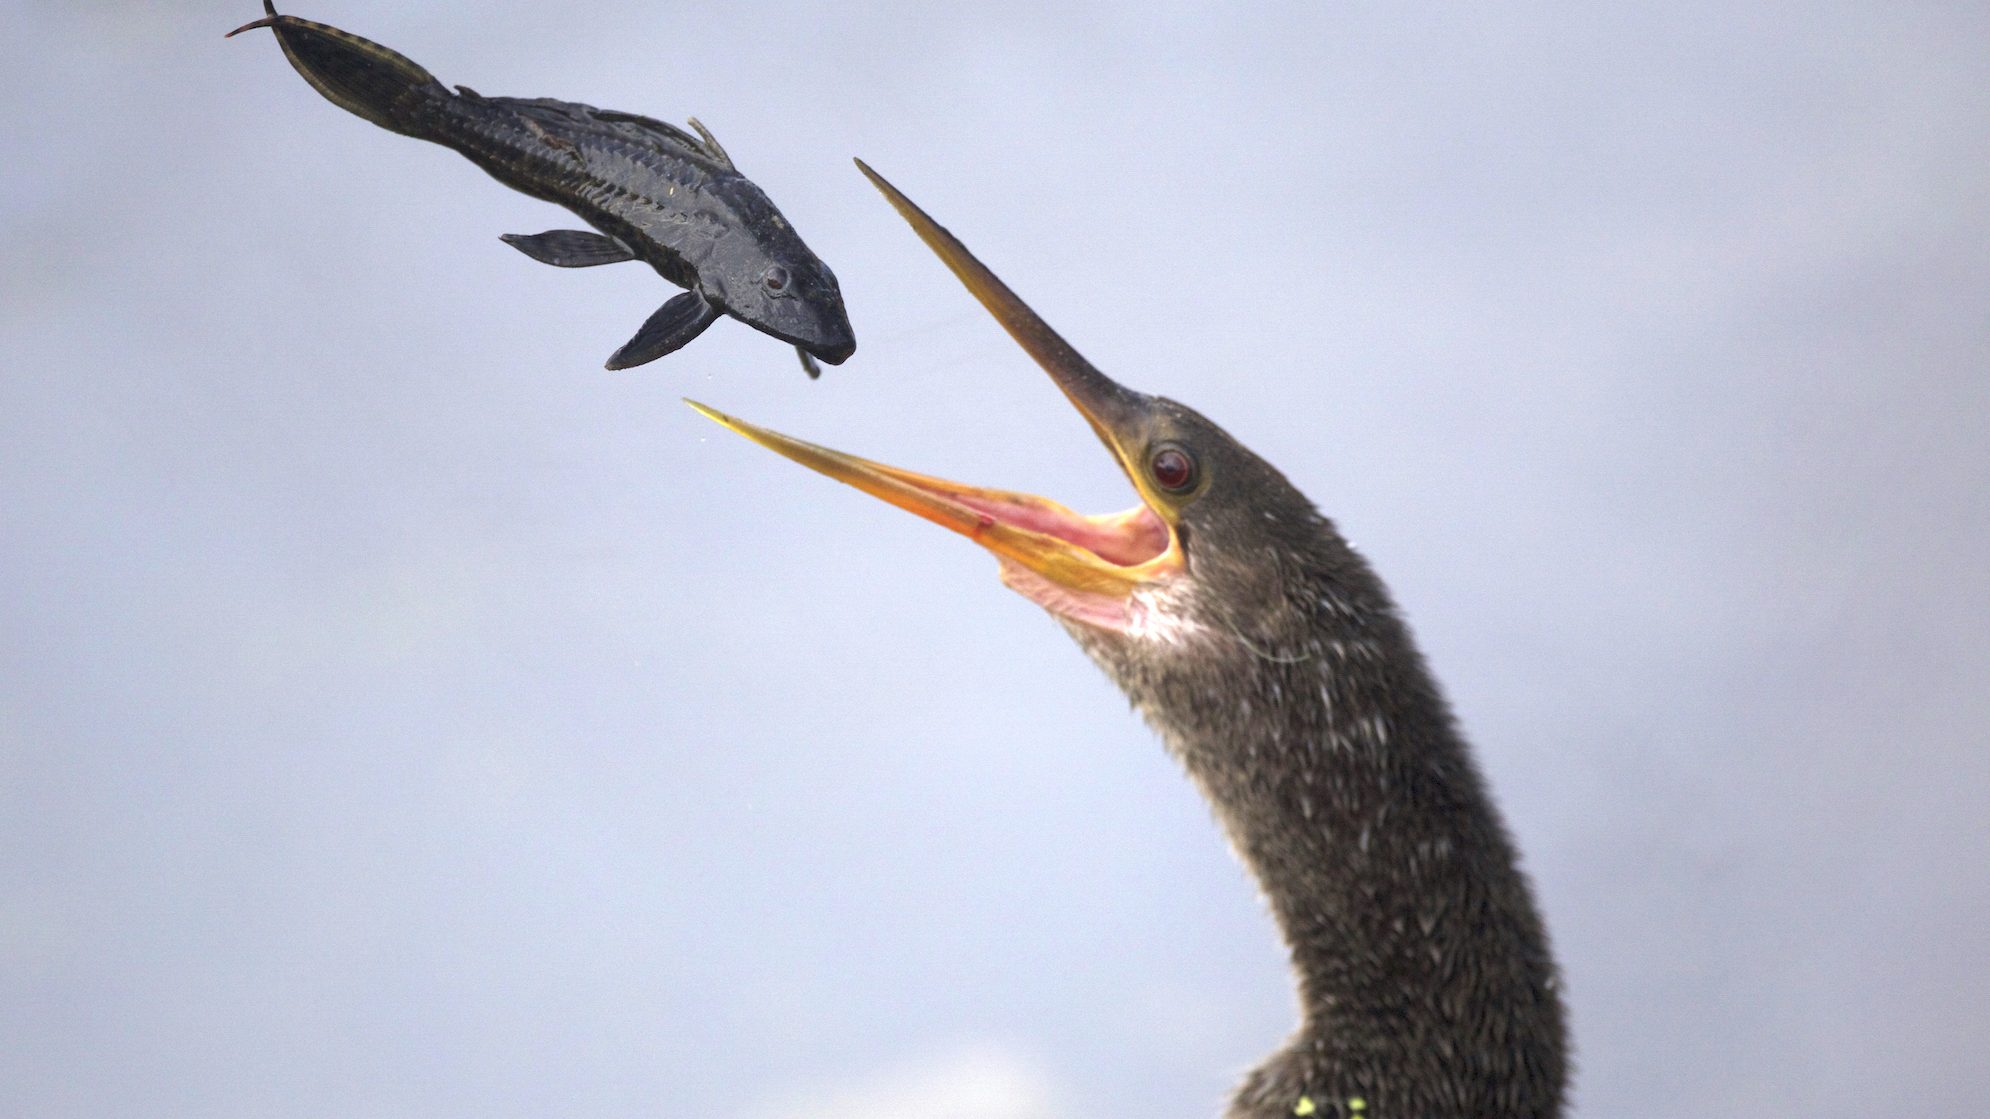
[569,248]
[358,75]
[711,143]
[571,118]
[673,324]
[664,136]
[269,18]
[649,130]
[809,366]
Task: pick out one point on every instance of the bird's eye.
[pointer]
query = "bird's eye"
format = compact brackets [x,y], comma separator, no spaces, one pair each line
[1173,468]
[775,278]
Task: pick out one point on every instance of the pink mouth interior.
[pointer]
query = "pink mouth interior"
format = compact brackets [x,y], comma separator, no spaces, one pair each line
[1127,539]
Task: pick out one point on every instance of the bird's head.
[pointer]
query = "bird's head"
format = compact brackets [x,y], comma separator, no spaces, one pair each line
[1220,548]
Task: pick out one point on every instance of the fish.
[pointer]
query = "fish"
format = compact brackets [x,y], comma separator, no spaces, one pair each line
[651,191]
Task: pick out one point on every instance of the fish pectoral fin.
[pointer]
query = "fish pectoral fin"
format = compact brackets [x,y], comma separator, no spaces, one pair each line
[674,324]
[809,366]
[570,248]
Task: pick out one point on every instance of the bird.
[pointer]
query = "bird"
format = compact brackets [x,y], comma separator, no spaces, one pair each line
[1275,666]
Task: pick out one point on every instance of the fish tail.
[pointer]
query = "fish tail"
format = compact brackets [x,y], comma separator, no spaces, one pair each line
[358,75]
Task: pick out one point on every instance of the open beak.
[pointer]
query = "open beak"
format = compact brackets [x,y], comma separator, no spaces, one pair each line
[1083,566]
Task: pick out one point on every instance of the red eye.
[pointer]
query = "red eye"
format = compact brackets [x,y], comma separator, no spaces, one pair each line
[1173,469]
[776,278]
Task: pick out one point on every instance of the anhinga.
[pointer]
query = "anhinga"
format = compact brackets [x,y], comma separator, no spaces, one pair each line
[1274,665]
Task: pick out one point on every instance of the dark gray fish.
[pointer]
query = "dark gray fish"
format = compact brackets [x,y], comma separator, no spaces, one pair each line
[655,192]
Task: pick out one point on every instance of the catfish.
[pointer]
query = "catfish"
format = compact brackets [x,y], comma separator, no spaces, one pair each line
[651,191]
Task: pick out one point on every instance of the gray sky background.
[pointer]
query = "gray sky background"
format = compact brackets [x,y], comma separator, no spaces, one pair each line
[402,716]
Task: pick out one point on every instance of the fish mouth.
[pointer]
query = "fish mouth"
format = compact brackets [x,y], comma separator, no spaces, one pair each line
[825,335]
[833,352]
[1087,568]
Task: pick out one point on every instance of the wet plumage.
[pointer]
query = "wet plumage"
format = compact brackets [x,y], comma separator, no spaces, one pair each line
[1273,663]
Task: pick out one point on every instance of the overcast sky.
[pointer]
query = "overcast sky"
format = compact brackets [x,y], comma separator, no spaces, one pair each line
[402,716]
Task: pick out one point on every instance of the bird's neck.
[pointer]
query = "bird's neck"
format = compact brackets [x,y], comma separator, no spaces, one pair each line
[1424,976]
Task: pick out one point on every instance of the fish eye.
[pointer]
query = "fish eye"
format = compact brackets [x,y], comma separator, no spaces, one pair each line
[775,278]
[1173,468]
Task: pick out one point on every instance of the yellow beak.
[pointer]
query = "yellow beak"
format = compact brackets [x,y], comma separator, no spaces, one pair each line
[1107,556]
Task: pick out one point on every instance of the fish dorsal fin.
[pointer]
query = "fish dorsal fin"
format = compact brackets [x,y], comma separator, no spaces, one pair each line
[569,118]
[712,144]
[673,324]
[569,248]
[661,134]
